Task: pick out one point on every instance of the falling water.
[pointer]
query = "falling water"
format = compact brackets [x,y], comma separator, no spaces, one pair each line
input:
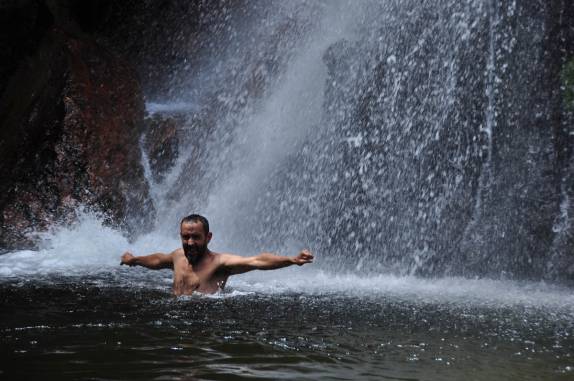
[370,133]
[486,175]
[395,139]
[337,147]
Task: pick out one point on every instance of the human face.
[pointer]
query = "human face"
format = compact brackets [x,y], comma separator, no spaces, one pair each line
[194,240]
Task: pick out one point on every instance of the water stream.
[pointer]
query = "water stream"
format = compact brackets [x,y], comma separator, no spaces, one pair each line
[366,131]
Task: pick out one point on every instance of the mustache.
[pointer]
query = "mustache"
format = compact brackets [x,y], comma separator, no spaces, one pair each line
[192,249]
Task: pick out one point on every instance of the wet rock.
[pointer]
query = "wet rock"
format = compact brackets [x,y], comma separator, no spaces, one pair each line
[71,119]
[161,143]
[22,25]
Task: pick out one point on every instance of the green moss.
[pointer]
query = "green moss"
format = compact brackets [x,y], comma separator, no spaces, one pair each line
[568,84]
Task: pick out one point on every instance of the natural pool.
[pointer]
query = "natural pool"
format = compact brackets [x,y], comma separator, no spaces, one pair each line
[305,325]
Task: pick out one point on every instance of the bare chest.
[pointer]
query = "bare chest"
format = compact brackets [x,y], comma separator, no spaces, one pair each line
[187,279]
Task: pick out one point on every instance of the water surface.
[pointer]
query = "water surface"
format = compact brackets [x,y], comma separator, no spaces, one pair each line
[288,324]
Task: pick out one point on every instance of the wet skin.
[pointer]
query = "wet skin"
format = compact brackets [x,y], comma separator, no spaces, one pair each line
[196,268]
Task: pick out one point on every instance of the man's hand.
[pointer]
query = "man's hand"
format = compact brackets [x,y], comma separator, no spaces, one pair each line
[303,257]
[127,259]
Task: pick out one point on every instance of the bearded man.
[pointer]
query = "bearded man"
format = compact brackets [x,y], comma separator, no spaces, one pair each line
[196,268]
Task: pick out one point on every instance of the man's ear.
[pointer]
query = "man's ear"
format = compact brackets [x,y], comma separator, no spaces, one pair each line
[209,235]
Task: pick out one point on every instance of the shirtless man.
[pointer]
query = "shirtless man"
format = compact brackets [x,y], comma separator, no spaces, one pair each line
[196,268]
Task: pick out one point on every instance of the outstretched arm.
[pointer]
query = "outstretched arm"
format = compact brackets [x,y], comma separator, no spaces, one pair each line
[154,261]
[235,264]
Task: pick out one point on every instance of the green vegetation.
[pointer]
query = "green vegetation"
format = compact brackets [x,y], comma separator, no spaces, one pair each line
[568,84]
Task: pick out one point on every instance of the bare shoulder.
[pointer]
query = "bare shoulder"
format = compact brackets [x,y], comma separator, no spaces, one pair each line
[177,255]
[226,258]
[225,255]
[177,252]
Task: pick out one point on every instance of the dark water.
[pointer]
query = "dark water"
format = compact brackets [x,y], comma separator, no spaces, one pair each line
[103,327]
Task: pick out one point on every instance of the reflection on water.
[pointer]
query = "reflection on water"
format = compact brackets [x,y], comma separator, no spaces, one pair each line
[125,324]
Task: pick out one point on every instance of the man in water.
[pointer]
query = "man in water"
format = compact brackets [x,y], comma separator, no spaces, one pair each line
[196,268]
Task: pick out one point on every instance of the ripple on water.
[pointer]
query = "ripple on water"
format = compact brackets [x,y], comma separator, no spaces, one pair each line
[126,324]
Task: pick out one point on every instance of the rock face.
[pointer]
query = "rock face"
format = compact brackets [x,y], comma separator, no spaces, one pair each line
[71,120]
[161,143]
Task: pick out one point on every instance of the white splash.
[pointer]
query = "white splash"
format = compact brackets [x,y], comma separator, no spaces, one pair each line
[91,250]
[455,291]
[84,247]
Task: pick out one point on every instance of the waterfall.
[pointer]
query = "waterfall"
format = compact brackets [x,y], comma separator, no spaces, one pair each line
[388,137]
[485,177]
[370,132]
[490,118]
[336,149]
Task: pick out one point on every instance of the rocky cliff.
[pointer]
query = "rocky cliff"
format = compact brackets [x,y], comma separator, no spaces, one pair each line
[71,114]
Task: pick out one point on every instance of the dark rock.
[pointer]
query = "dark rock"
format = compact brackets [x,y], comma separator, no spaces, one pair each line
[22,25]
[71,120]
[161,143]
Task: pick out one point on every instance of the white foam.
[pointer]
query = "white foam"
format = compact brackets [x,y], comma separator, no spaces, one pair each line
[88,248]
[452,290]
[85,246]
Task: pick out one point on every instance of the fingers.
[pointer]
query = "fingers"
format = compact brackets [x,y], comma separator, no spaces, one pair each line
[125,259]
[305,256]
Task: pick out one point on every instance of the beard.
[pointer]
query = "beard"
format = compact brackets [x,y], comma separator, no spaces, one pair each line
[193,253]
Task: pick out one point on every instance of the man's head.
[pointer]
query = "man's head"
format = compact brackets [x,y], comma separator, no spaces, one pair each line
[195,235]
